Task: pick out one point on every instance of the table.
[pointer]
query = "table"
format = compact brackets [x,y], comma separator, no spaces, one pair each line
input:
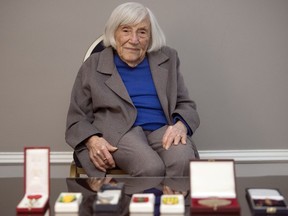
[12,190]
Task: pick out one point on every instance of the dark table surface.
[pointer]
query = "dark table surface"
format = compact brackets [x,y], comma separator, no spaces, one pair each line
[12,190]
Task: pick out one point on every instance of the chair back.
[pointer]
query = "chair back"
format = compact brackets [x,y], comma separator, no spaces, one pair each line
[96,46]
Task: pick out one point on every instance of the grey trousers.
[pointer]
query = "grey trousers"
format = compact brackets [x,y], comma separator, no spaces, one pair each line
[140,153]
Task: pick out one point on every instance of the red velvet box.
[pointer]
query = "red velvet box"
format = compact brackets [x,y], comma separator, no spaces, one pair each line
[213,187]
[36,180]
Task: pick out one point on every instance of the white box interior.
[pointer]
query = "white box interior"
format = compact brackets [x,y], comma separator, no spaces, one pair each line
[212,179]
[112,196]
[37,171]
[259,193]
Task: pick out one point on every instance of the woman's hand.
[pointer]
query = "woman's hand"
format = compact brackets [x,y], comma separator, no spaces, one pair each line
[174,134]
[100,153]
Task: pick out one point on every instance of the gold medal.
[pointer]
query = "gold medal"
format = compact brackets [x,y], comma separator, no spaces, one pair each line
[214,203]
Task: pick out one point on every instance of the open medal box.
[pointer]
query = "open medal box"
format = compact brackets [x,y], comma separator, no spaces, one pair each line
[109,198]
[36,180]
[213,187]
[264,201]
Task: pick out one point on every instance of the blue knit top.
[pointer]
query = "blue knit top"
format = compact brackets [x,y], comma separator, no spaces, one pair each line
[141,89]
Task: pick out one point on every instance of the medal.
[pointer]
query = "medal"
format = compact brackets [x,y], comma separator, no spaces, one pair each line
[214,203]
[33,200]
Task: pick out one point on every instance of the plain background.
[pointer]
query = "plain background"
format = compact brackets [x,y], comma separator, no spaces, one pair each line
[234,57]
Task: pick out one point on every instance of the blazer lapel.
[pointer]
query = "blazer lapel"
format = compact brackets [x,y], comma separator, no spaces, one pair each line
[106,66]
[160,78]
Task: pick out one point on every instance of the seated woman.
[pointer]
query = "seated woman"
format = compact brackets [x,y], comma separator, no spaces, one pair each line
[129,104]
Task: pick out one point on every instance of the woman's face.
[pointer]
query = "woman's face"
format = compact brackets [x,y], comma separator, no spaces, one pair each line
[132,42]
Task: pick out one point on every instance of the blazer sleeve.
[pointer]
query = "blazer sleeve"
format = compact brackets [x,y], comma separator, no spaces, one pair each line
[185,107]
[79,125]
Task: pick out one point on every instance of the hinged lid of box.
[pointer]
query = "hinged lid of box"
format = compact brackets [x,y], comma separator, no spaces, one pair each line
[37,170]
[212,178]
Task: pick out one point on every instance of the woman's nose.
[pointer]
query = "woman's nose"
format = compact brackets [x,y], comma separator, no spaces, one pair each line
[134,38]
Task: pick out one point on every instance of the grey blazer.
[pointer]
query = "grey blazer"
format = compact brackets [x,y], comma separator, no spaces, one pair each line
[100,103]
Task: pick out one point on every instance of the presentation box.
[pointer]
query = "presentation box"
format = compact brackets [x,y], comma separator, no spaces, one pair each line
[142,203]
[68,202]
[266,201]
[109,197]
[172,204]
[213,187]
[36,180]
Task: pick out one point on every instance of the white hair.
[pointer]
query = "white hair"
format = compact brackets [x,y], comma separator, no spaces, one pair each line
[133,13]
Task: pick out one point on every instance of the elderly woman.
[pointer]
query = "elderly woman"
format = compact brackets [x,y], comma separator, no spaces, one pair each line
[129,104]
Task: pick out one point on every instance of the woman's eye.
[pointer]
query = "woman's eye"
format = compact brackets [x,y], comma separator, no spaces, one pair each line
[125,30]
[143,33]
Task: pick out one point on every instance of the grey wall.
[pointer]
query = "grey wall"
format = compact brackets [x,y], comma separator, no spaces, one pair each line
[233,53]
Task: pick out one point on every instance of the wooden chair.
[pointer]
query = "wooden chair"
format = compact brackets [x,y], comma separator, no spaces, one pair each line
[76,171]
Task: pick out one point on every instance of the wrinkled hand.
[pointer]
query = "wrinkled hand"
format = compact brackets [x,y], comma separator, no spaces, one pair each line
[100,153]
[174,134]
